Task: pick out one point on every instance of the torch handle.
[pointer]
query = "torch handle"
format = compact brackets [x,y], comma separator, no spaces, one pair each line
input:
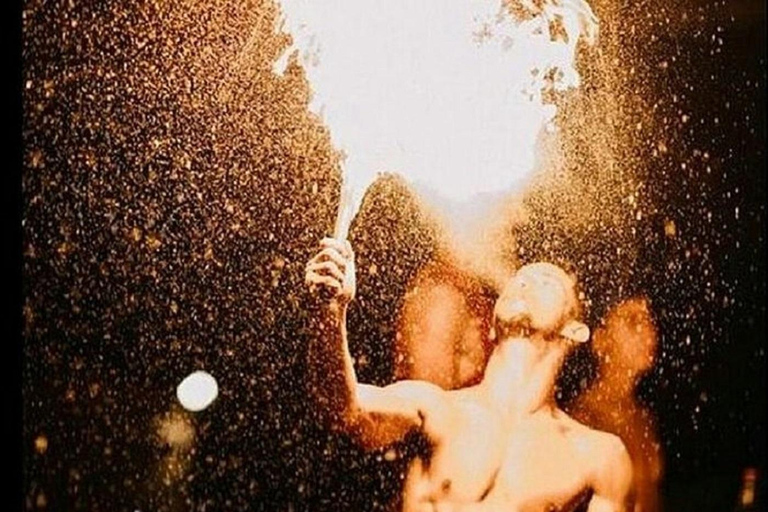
[351,196]
[345,213]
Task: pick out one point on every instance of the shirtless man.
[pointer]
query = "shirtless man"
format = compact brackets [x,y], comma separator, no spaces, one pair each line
[502,445]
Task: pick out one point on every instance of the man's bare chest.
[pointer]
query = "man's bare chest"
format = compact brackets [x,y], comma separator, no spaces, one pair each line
[536,464]
[545,467]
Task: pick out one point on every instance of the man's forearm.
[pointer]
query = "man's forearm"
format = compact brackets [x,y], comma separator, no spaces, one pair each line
[334,382]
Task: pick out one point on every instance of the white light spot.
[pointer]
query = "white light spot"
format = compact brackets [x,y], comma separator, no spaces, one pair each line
[197,391]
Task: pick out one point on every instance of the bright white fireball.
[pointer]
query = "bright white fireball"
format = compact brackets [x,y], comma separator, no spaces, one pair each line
[447,94]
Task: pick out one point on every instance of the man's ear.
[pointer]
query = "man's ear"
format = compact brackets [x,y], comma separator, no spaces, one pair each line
[575,331]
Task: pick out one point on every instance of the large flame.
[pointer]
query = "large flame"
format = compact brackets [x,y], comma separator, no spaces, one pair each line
[452,95]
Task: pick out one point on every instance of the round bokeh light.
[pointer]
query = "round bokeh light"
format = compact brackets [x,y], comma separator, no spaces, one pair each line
[197,391]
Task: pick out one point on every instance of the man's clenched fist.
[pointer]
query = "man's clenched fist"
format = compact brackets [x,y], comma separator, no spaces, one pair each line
[330,274]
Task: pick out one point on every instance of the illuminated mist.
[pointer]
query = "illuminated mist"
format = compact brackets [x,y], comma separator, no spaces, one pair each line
[451,95]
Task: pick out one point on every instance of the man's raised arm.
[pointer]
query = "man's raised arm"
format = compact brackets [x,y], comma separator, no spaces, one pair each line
[375,416]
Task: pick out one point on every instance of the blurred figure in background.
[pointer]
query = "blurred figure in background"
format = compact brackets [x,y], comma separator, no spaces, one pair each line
[626,349]
[443,328]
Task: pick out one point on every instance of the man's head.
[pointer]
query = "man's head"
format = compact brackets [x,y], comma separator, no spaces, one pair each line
[541,297]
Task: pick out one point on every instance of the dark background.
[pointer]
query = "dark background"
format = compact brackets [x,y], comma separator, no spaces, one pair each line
[173,188]
[717,294]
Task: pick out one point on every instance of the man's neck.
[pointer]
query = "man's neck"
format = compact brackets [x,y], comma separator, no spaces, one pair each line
[521,373]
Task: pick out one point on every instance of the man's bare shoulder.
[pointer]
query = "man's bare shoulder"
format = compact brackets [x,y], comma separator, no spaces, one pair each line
[408,389]
[416,395]
[604,446]
[611,472]
[421,404]
[468,394]
[608,462]
[387,414]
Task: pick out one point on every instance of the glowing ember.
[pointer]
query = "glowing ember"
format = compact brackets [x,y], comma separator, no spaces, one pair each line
[197,391]
[451,95]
